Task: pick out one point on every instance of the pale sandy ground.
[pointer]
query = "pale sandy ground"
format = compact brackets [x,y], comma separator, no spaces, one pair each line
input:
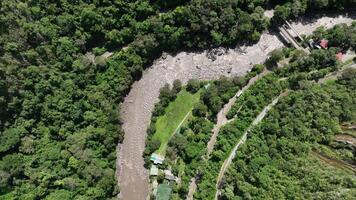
[137,107]
[307,25]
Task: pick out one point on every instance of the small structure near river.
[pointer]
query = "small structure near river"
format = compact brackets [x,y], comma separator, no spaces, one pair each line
[156,158]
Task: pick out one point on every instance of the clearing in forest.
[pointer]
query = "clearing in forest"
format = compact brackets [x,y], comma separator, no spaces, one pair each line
[163,192]
[175,114]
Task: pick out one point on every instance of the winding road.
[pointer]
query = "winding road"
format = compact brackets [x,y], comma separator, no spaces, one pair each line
[220,122]
[221,116]
[243,139]
[138,104]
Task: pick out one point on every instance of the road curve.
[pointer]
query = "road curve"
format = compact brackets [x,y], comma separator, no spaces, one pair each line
[221,116]
[232,155]
[138,104]
[220,122]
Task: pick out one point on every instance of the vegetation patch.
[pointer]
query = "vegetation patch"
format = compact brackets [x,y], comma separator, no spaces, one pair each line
[176,113]
[59,124]
[278,154]
[163,191]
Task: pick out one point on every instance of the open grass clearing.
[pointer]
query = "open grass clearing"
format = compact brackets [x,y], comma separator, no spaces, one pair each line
[175,115]
[163,192]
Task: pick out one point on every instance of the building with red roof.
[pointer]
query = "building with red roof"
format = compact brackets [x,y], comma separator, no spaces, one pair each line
[324,43]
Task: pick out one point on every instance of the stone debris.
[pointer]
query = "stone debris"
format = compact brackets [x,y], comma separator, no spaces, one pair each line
[207,65]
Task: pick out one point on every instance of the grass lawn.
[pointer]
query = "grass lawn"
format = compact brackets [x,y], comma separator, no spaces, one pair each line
[163,192]
[176,113]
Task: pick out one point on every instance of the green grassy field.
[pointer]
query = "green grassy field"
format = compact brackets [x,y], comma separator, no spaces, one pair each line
[176,113]
[163,192]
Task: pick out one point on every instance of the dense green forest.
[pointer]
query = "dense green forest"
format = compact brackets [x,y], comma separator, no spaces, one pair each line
[59,115]
[295,76]
[186,153]
[277,159]
[292,154]
[59,122]
[187,147]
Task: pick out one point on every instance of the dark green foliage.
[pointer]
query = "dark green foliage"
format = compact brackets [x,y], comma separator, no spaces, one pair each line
[177,86]
[211,98]
[258,68]
[151,146]
[274,57]
[166,95]
[58,109]
[193,85]
[348,77]
[178,143]
[294,8]
[277,155]
[59,121]
[200,110]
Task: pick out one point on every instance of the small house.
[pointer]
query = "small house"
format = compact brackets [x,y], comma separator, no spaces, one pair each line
[157,159]
[324,43]
[169,175]
[154,171]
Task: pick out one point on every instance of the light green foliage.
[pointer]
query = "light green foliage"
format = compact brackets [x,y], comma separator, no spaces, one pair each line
[278,153]
[175,113]
[59,121]
[163,192]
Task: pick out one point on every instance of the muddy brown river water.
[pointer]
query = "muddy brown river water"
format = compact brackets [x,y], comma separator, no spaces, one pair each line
[138,104]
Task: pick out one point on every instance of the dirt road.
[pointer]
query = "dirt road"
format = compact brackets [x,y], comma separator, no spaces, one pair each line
[334,162]
[137,106]
[221,121]
[221,117]
[232,155]
[336,74]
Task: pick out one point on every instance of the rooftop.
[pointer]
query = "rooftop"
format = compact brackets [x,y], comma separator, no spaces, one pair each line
[157,159]
[154,170]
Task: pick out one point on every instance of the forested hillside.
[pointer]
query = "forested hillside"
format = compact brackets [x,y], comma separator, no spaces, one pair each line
[287,149]
[59,97]
[300,73]
[277,160]
[295,152]
[59,104]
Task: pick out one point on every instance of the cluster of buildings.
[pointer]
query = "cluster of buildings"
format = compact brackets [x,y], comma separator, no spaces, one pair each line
[155,171]
[292,37]
[161,191]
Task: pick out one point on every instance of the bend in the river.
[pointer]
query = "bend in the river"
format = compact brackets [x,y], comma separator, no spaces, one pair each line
[137,106]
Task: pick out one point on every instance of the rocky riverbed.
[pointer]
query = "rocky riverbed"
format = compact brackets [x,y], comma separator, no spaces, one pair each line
[137,107]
